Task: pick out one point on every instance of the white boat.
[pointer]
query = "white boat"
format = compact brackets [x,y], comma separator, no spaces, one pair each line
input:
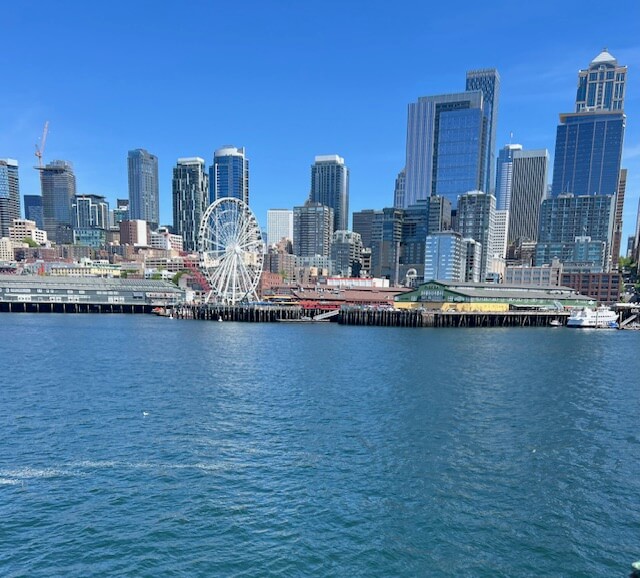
[600,318]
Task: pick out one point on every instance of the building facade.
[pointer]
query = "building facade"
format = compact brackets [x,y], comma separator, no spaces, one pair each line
[363,224]
[190,191]
[386,238]
[144,195]
[601,86]
[22,229]
[312,230]
[399,189]
[90,220]
[279,225]
[346,254]
[9,195]
[476,220]
[33,210]
[229,174]
[330,187]
[445,256]
[58,183]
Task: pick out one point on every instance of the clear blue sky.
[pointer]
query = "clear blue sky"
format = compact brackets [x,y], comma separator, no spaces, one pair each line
[289,80]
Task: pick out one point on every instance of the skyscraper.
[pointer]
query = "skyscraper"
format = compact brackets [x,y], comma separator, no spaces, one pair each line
[601,86]
[476,220]
[330,187]
[190,191]
[229,174]
[9,195]
[312,230]
[488,81]
[279,225]
[446,146]
[144,195]
[522,186]
[399,189]
[33,210]
[58,189]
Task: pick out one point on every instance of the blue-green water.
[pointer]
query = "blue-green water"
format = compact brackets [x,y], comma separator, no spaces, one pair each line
[142,446]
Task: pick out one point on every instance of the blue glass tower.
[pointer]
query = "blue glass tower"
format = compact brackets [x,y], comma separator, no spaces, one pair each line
[9,195]
[33,210]
[446,146]
[229,174]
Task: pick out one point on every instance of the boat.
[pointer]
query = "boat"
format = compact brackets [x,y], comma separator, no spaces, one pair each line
[555,323]
[587,317]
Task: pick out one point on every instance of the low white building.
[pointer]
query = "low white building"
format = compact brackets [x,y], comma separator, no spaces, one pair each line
[26,229]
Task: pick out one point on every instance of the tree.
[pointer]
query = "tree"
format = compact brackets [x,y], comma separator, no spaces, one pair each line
[29,241]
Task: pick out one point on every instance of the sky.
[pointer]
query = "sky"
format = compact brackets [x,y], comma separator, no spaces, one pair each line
[289,80]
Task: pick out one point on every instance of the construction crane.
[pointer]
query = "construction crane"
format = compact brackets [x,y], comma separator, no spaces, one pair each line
[40,148]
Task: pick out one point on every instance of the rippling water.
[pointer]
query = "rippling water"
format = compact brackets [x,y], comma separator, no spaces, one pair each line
[142,446]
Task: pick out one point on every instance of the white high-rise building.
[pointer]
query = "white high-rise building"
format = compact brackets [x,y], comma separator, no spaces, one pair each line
[279,225]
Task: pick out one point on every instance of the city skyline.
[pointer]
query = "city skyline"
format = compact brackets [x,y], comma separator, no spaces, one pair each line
[96,119]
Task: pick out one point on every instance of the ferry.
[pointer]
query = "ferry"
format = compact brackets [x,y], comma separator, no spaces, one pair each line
[600,318]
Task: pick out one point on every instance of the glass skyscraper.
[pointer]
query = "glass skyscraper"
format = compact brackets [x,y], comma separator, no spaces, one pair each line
[330,187]
[58,184]
[33,210]
[144,196]
[488,81]
[90,220]
[229,174]
[9,195]
[190,190]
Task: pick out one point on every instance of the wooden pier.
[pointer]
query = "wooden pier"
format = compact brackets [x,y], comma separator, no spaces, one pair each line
[57,307]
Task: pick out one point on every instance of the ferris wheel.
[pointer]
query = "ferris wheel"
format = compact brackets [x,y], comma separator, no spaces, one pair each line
[231,251]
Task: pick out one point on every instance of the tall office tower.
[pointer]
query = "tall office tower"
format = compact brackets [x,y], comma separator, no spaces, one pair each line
[363,224]
[229,174]
[576,230]
[58,189]
[90,220]
[444,257]
[522,184]
[446,146]
[144,196]
[9,195]
[120,213]
[346,253]
[504,176]
[330,187]
[500,233]
[472,258]
[33,210]
[602,85]
[386,237]
[617,221]
[476,220]
[279,225]
[190,191]
[312,230]
[398,191]
[488,81]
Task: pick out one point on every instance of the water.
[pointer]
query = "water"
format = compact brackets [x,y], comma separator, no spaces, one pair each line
[143,446]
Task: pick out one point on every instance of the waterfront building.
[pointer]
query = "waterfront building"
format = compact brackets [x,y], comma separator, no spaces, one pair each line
[9,195]
[363,224]
[346,253]
[190,191]
[33,209]
[488,82]
[476,220]
[544,275]
[144,196]
[464,296]
[386,237]
[312,230]
[58,184]
[446,146]
[399,189]
[22,229]
[576,229]
[445,256]
[279,225]
[229,174]
[90,214]
[330,187]
[601,86]
[603,287]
